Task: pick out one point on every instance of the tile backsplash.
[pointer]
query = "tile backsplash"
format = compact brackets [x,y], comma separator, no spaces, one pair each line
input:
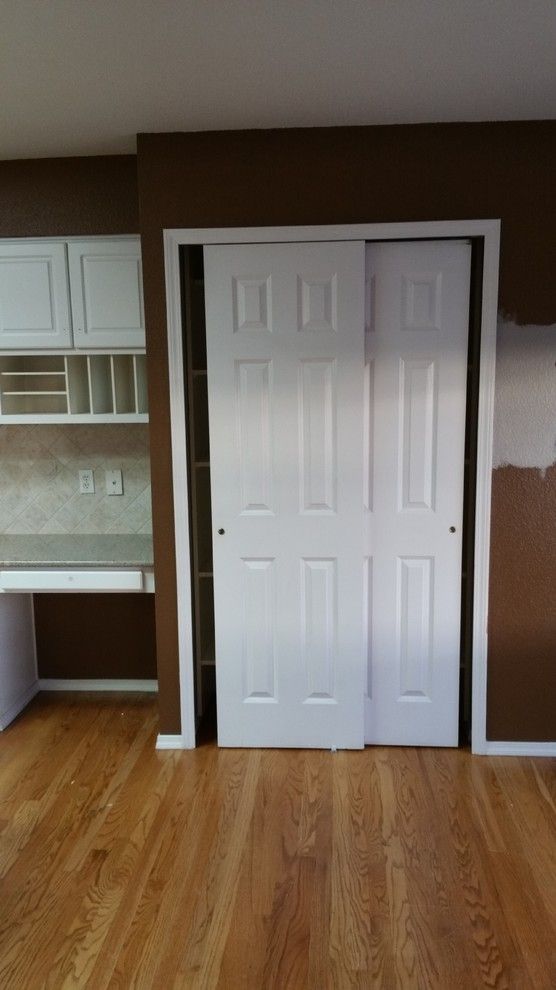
[39,482]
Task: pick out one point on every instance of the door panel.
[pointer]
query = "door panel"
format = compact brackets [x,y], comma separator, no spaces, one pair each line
[317,415]
[417,302]
[285,376]
[253,392]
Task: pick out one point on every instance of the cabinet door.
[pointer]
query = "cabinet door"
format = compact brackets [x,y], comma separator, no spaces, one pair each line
[107,293]
[34,303]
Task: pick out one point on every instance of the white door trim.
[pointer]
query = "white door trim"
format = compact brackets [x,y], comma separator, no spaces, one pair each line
[489,230]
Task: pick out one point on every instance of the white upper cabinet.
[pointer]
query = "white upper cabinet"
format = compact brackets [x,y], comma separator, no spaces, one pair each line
[34,299]
[107,293]
[95,285]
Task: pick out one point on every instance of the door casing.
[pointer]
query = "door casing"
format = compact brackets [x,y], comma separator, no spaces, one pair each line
[174,240]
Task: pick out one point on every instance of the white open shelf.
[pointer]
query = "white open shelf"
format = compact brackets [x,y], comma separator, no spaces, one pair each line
[80,388]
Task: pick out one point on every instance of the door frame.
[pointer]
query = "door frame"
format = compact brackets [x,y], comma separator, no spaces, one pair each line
[174,239]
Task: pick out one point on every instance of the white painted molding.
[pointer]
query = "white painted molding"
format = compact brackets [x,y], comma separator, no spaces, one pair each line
[186,659]
[173,742]
[485,430]
[96,684]
[331,232]
[70,240]
[520,748]
[21,702]
[489,230]
[71,418]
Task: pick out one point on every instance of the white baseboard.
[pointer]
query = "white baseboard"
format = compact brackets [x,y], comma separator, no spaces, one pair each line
[100,684]
[21,702]
[172,742]
[494,748]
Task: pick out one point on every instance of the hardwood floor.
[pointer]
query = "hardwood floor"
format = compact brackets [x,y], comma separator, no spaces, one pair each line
[123,867]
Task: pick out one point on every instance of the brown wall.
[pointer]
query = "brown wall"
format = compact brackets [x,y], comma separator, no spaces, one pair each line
[522,635]
[92,636]
[58,197]
[63,197]
[350,175]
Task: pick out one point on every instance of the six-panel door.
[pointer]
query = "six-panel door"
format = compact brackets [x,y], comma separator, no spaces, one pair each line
[285,384]
[415,402]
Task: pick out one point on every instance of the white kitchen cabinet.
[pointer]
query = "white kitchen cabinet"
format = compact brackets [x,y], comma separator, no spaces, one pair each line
[106,293]
[34,295]
[73,387]
[58,294]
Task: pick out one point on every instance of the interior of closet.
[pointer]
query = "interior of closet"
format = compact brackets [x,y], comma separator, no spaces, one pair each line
[200,523]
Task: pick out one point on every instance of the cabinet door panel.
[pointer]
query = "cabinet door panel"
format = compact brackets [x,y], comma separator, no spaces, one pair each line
[34,304]
[107,293]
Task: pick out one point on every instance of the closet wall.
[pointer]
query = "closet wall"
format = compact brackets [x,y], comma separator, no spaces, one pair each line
[381,174]
[105,635]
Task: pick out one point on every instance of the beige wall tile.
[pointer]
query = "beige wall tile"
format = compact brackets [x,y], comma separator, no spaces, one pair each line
[39,485]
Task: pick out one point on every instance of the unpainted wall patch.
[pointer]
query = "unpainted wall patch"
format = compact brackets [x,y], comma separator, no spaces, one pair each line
[525,396]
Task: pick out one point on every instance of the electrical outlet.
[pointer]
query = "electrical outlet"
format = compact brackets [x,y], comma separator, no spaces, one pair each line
[87,482]
[114,482]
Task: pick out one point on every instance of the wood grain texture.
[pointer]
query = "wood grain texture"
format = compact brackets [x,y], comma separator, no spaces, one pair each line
[123,867]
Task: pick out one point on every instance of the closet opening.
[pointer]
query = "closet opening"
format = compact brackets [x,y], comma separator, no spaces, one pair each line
[470,489]
[198,470]
[207,596]
[200,513]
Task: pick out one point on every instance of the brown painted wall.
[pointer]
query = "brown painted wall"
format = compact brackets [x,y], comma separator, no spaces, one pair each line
[522,635]
[57,197]
[95,636]
[349,175]
[62,197]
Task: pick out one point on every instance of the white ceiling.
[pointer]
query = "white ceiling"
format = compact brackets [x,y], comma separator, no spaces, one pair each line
[82,77]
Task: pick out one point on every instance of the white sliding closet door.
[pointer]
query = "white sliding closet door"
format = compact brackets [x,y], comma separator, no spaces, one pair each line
[285,382]
[415,385]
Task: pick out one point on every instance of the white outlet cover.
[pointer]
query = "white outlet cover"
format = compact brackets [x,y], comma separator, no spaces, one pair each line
[86,482]
[114,482]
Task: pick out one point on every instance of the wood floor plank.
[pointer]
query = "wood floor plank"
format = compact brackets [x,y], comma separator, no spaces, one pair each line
[168,879]
[122,842]
[123,868]
[497,947]
[37,886]
[279,828]
[432,919]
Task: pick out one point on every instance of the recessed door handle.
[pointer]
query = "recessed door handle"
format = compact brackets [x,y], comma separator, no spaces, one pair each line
[452,529]
[221,532]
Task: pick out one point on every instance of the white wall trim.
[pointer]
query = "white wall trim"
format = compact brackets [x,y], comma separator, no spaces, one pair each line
[485,428]
[520,748]
[172,742]
[186,657]
[96,684]
[489,230]
[18,705]
[332,232]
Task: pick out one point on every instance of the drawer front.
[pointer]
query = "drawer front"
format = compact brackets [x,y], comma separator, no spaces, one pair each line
[38,580]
